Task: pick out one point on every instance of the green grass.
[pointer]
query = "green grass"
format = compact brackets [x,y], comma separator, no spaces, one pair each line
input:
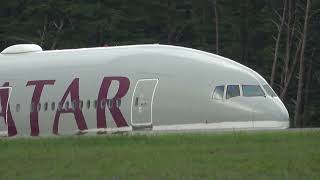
[233,155]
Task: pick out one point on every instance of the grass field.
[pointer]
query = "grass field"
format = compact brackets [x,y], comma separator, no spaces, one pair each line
[232,155]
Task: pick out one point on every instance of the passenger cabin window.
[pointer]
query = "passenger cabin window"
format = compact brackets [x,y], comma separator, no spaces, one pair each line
[88,104]
[232,91]
[74,104]
[67,105]
[118,103]
[53,106]
[269,90]
[39,107]
[95,103]
[103,103]
[60,106]
[252,90]
[218,93]
[18,108]
[109,103]
[32,107]
[81,104]
[45,106]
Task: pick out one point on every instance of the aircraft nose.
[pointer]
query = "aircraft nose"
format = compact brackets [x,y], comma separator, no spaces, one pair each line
[284,115]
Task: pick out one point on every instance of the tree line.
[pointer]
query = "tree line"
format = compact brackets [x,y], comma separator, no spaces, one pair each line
[278,39]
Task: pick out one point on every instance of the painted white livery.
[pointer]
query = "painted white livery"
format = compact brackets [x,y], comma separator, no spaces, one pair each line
[128,88]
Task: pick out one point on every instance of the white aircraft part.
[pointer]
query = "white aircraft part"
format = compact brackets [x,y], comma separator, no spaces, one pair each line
[22,48]
[225,125]
[180,84]
[142,101]
[244,125]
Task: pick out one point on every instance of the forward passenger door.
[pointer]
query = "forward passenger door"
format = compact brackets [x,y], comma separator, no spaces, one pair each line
[142,102]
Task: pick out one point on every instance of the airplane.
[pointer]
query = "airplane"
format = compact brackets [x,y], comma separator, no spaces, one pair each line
[148,87]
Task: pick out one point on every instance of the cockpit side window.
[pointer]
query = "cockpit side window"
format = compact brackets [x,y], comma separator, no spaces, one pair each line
[252,90]
[218,93]
[232,91]
[269,90]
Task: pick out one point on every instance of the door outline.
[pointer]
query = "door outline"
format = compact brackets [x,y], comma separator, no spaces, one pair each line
[151,111]
[9,88]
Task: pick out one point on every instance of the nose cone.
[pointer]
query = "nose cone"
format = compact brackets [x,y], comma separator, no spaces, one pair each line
[284,115]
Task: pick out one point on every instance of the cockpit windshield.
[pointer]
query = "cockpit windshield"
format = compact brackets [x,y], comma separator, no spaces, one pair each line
[269,90]
[252,90]
[218,92]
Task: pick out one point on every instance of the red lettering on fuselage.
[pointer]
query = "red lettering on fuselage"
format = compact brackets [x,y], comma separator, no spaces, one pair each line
[39,85]
[5,111]
[73,90]
[124,85]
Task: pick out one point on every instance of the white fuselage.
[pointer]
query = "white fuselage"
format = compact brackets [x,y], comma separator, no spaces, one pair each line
[155,87]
